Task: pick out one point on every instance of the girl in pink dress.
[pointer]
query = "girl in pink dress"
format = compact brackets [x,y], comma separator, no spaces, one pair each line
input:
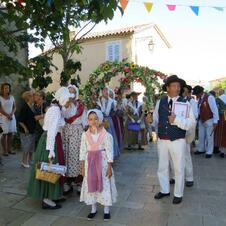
[96,155]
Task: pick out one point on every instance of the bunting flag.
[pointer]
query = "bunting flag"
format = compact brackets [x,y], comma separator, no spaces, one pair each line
[219,8]
[171,7]
[123,3]
[148,6]
[195,9]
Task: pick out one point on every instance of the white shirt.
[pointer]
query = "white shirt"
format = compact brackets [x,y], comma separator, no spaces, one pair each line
[194,106]
[213,108]
[223,98]
[53,122]
[182,123]
[71,111]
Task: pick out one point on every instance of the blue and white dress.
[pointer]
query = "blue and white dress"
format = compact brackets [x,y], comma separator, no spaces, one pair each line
[107,106]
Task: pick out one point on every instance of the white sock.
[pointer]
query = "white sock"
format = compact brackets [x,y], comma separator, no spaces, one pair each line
[66,187]
[106,209]
[94,208]
[49,202]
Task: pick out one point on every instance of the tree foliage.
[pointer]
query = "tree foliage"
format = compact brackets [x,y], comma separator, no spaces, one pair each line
[51,19]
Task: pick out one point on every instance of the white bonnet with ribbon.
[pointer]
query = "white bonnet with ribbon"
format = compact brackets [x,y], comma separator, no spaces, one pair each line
[63,95]
[76,90]
[99,114]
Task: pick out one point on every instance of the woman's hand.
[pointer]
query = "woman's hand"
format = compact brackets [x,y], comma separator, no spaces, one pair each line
[109,171]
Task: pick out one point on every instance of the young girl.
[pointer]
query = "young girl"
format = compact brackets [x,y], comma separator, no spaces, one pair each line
[97,156]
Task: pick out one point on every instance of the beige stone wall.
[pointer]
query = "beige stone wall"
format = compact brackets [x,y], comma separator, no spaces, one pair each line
[17,86]
[93,54]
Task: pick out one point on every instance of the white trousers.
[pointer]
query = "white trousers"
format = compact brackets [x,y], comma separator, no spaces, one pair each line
[206,137]
[176,151]
[188,165]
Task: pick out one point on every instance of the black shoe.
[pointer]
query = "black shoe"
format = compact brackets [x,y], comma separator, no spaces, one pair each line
[69,191]
[129,148]
[177,200]
[107,216]
[208,156]
[189,183]
[199,152]
[222,155]
[60,200]
[172,181]
[216,150]
[161,195]
[46,206]
[91,215]
[140,148]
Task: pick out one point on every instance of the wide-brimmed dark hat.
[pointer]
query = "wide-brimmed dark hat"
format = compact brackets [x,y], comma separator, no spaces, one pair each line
[135,93]
[171,79]
[189,88]
[197,90]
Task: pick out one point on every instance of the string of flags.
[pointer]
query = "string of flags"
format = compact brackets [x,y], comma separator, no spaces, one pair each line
[171,7]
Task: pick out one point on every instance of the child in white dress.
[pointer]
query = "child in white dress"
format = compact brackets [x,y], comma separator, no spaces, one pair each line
[96,155]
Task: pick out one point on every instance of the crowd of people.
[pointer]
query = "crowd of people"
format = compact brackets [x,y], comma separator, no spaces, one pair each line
[87,141]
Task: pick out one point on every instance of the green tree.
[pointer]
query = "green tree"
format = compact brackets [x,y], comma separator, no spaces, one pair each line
[48,19]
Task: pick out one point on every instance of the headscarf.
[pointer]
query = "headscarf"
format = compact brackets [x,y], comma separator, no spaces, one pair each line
[63,95]
[76,89]
[98,113]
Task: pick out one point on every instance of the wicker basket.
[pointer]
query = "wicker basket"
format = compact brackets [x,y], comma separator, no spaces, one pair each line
[47,176]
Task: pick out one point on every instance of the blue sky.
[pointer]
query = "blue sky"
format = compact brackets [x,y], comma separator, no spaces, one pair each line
[199,42]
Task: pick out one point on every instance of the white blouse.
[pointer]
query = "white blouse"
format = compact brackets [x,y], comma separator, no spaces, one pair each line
[107,145]
[53,122]
[71,111]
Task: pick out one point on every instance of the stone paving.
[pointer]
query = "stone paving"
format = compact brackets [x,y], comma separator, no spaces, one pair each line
[135,172]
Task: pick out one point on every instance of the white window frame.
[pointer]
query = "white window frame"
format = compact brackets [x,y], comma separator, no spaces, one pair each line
[113,43]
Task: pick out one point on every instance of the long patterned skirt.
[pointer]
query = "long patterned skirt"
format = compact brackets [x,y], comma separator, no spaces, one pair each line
[72,135]
[220,133]
[118,131]
[41,189]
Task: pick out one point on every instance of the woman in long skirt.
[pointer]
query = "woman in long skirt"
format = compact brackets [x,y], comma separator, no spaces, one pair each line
[50,148]
[107,107]
[75,118]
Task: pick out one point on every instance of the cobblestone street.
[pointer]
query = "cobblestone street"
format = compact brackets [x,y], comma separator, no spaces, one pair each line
[135,172]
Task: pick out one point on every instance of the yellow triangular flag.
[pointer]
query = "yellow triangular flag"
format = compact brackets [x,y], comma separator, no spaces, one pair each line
[148,6]
[123,3]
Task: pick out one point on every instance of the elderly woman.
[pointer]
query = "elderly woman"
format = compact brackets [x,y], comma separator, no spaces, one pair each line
[27,125]
[40,107]
[50,147]
[7,117]
[75,118]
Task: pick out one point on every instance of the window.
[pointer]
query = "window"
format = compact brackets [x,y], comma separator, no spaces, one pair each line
[113,51]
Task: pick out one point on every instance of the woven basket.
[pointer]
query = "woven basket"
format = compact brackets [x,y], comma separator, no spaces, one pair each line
[47,176]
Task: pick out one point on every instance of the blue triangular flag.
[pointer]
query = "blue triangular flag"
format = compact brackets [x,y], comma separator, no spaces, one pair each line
[195,9]
[219,8]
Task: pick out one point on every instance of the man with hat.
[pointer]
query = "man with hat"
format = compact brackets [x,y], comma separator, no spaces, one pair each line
[171,138]
[207,121]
